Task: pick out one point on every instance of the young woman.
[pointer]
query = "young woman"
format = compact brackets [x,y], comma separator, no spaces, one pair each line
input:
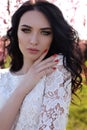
[35,92]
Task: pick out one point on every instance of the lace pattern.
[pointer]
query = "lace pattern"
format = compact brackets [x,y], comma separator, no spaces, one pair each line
[46,106]
[56,101]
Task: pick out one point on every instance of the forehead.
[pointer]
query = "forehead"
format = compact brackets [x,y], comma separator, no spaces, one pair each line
[34,18]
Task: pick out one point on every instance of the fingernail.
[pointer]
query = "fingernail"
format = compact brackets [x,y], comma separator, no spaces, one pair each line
[55,55]
[54,68]
[56,61]
[45,51]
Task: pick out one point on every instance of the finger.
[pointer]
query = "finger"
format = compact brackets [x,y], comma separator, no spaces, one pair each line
[46,66]
[48,61]
[41,57]
[47,72]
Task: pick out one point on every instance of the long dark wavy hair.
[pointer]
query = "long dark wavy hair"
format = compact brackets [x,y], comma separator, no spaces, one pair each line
[65,39]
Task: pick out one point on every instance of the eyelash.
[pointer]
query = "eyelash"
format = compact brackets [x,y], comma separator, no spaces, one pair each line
[25,30]
[46,32]
[42,32]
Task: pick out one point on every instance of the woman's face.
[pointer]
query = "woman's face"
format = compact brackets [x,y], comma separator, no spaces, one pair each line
[34,35]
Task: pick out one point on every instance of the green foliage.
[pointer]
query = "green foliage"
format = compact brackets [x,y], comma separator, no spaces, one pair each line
[78,113]
[86,63]
[7,62]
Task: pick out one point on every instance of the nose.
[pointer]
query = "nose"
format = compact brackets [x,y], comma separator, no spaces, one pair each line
[34,39]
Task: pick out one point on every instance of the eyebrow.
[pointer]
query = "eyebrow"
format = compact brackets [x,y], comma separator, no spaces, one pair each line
[44,28]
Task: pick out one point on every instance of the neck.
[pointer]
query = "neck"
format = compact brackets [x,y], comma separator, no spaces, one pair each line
[25,68]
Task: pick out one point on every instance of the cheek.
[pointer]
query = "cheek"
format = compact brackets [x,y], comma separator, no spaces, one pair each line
[46,45]
[21,40]
[21,44]
[21,37]
[48,42]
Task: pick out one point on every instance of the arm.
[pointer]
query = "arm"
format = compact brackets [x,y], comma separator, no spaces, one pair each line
[9,111]
[56,100]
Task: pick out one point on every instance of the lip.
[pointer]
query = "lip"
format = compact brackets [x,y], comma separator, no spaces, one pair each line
[33,50]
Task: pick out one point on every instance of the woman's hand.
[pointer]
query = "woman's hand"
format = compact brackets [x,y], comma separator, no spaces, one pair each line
[39,69]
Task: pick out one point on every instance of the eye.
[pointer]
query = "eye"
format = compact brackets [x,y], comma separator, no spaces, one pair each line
[26,30]
[46,32]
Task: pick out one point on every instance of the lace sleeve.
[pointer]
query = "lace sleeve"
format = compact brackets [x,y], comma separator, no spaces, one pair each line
[3,94]
[56,100]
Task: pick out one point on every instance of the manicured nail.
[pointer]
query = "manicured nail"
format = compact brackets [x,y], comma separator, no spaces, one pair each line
[56,61]
[45,51]
[54,68]
[55,55]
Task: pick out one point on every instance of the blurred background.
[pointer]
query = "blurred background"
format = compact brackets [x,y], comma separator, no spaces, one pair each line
[75,12]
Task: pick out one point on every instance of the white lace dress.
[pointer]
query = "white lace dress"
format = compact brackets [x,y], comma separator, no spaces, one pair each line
[46,106]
